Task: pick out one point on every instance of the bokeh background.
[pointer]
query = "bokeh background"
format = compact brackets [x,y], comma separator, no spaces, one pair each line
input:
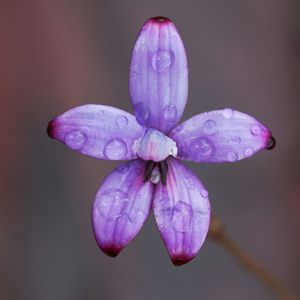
[56,54]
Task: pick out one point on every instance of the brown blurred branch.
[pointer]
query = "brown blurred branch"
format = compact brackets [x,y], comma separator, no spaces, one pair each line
[218,234]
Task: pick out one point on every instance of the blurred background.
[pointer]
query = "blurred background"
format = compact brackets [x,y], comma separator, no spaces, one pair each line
[57,54]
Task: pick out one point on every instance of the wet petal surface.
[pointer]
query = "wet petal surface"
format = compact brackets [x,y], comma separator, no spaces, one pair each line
[121,207]
[98,131]
[220,136]
[182,212]
[158,81]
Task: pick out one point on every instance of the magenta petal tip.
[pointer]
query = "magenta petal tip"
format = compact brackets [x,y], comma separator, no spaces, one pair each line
[159,19]
[50,129]
[181,259]
[111,250]
[271,144]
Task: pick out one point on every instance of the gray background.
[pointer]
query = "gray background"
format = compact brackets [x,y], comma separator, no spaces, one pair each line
[57,54]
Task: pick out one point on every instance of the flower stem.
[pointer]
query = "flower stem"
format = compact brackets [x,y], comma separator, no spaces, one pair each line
[218,234]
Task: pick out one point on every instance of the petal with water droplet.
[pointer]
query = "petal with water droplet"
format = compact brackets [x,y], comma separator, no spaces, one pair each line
[182,212]
[220,136]
[120,209]
[158,75]
[99,131]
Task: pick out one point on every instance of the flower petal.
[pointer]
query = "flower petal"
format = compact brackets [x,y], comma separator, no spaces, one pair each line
[121,207]
[220,136]
[98,131]
[158,75]
[182,212]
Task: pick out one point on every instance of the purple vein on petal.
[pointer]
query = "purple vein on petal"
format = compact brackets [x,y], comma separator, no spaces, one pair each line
[121,207]
[220,136]
[182,212]
[158,82]
[98,131]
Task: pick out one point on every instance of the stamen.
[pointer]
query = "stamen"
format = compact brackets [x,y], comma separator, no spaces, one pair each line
[163,168]
[148,170]
[271,143]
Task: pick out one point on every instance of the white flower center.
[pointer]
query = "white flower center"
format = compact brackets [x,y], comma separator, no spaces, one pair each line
[154,145]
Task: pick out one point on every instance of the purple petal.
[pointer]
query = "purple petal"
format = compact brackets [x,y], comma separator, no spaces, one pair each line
[98,131]
[182,212]
[158,75]
[121,207]
[220,136]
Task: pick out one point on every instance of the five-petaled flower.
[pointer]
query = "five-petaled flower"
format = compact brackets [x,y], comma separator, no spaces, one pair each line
[155,144]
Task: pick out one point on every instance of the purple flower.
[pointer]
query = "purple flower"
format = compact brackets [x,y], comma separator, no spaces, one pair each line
[155,145]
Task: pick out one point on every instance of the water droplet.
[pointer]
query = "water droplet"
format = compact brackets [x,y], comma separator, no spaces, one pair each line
[123,168]
[115,197]
[115,149]
[133,75]
[236,140]
[75,139]
[256,129]
[123,220]
[191,183]
[210,127]
[121,121]
[138,171]
[141,113]
[170,113]
[232,156]
[161,60]
[201,149]
[163,213]
[228,113]
[204,193]
[139,216]
[182,215]
[248,152]
[129,182]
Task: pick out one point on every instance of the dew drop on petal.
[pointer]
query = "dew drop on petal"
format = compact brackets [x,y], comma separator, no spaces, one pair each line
[121,121]
[232,156]
[123,168]
[202,148]
[129,182]
[164,214]
[248,152]
[138,171]
[182,214]
[115,149]
[141,113]
[75,139]
[210,127]
[161,61]
[133,75]
[191,183]
[170,113]
[256,129]
[123,220]
[228,113]
[108,198]
[204,193]
[236,140]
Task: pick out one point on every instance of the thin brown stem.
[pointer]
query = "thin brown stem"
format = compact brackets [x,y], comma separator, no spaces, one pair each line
[218,234]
